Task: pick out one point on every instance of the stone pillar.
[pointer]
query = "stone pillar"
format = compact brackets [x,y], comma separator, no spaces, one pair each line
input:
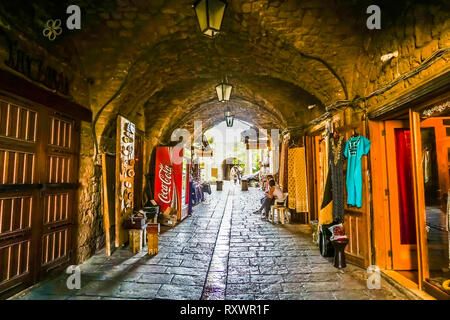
[248,162]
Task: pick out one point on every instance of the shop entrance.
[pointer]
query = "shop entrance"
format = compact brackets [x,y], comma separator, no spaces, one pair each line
[402,211]
[38,173]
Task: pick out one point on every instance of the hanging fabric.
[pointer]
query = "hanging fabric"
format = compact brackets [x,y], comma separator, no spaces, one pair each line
[284,166]
[405,191]
[298,188]
[326,209]
[355,148]
[336,170]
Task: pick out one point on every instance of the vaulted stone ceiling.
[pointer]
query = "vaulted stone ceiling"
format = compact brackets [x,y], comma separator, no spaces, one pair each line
[281,56]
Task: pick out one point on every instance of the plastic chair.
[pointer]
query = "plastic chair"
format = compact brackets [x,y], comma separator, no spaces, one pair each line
[280,207]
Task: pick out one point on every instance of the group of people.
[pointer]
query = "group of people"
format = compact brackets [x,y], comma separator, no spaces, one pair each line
[272,192]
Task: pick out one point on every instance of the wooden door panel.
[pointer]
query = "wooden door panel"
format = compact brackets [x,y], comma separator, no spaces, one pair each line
[59,169]
[56,208]
[15,214]
[54,248]
[17,167]
[17,122]
[404,256]
[60,133]
[14,262]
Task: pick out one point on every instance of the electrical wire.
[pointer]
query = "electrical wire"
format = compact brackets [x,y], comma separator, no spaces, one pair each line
[337,105]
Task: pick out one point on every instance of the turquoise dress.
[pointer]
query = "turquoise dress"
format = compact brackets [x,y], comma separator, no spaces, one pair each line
[355,148]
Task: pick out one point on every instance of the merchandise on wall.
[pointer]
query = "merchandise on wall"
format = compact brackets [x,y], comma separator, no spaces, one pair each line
[125,172]
[336,172]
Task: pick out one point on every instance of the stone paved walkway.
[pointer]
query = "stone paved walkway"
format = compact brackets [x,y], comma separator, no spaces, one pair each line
[221,252]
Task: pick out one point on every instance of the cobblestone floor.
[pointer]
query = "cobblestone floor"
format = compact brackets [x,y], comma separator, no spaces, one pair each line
[222,252]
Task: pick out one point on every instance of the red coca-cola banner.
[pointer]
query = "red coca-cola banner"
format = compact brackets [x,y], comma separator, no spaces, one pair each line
[168,176]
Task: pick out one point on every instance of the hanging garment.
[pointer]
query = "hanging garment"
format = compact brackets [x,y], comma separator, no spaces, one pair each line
[291,180]
[283,165]
[298,189]
[355,148]
[426,163]
[326,209]
[406,204]
[336,170]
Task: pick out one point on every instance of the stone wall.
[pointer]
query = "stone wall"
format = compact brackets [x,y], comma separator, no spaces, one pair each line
[90,233]
[417,33]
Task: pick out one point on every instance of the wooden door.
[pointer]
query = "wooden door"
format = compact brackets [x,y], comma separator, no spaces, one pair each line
[401,195]
[58,194]
[38,171]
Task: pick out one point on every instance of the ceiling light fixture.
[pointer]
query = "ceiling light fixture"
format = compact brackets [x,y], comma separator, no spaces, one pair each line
[210,15]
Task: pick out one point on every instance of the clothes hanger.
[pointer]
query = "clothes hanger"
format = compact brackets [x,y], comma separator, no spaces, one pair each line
[293,144]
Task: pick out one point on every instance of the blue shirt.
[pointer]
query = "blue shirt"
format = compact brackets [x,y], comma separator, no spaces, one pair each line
[355,148]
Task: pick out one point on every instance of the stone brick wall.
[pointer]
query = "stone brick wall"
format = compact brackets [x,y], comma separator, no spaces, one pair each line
[90,233]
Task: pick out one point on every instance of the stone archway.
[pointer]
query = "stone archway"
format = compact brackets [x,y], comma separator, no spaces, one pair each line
[227,164]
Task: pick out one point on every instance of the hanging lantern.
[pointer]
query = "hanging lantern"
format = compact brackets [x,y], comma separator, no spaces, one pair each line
[223,90]
[210,16]
[229,118]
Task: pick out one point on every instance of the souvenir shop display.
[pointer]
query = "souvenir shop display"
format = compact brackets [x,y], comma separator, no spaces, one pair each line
[125,161]
[356,147]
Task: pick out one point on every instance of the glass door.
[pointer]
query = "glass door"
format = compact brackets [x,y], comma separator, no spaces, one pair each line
[435,161]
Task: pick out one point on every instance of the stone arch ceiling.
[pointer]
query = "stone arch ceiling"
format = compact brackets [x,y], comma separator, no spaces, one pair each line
[281,56]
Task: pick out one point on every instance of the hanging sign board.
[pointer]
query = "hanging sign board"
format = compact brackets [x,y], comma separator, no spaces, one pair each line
[125,172]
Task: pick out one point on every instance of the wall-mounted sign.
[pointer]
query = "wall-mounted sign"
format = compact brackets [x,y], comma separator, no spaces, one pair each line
[437,109]
[35,68]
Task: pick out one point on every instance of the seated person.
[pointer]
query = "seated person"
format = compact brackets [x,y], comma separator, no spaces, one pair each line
[274,193]
[269,177]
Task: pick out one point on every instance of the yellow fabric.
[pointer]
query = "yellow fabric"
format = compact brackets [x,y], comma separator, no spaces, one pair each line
[298,187]
[326,214]
[291,182]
